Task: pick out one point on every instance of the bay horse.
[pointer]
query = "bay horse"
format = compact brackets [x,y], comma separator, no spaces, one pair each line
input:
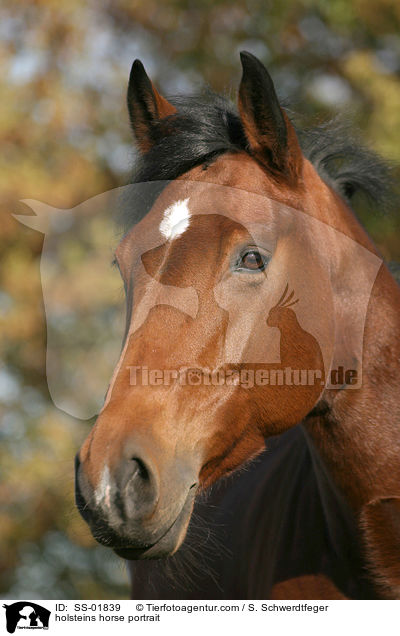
[278,488]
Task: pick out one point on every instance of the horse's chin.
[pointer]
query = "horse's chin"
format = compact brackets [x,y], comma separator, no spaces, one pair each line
[168,544]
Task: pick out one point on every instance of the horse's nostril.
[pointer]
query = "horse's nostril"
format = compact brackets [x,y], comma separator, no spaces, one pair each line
[140,469]
[137,487]
[134,478]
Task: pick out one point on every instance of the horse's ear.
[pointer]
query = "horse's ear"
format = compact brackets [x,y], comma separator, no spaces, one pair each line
[271,136]
[145,105]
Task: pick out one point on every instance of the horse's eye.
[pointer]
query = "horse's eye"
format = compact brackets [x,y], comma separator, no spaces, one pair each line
[252,260]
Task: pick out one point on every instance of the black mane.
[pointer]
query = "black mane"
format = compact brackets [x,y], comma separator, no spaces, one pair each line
[209,125]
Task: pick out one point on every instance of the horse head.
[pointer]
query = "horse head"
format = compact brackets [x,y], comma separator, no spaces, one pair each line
[241,216]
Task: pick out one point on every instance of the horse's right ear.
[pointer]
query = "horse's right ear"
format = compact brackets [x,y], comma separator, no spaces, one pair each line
[145,105]
[270,135]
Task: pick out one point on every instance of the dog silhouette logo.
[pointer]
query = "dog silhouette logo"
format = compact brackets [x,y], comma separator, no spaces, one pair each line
[26,615]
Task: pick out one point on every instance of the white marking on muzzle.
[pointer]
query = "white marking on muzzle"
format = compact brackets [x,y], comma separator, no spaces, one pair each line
[176,219]
[103,490]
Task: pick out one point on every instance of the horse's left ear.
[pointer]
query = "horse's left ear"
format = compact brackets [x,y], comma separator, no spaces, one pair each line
[271,136]
[145,105]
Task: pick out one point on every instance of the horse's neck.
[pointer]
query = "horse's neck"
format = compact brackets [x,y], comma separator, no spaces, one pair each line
[357,432]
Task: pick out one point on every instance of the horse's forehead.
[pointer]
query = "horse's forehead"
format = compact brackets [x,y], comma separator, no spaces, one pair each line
[181,202]
[231,187]
[210,193]
[199,214]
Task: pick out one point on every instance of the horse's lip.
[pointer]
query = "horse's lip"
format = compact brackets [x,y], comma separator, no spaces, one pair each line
[136,552]
[131,553]
[158,548]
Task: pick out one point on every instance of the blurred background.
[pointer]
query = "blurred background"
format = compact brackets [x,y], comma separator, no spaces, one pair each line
[65,138]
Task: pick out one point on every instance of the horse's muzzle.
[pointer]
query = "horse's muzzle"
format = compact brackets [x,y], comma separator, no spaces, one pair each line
[131,512]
